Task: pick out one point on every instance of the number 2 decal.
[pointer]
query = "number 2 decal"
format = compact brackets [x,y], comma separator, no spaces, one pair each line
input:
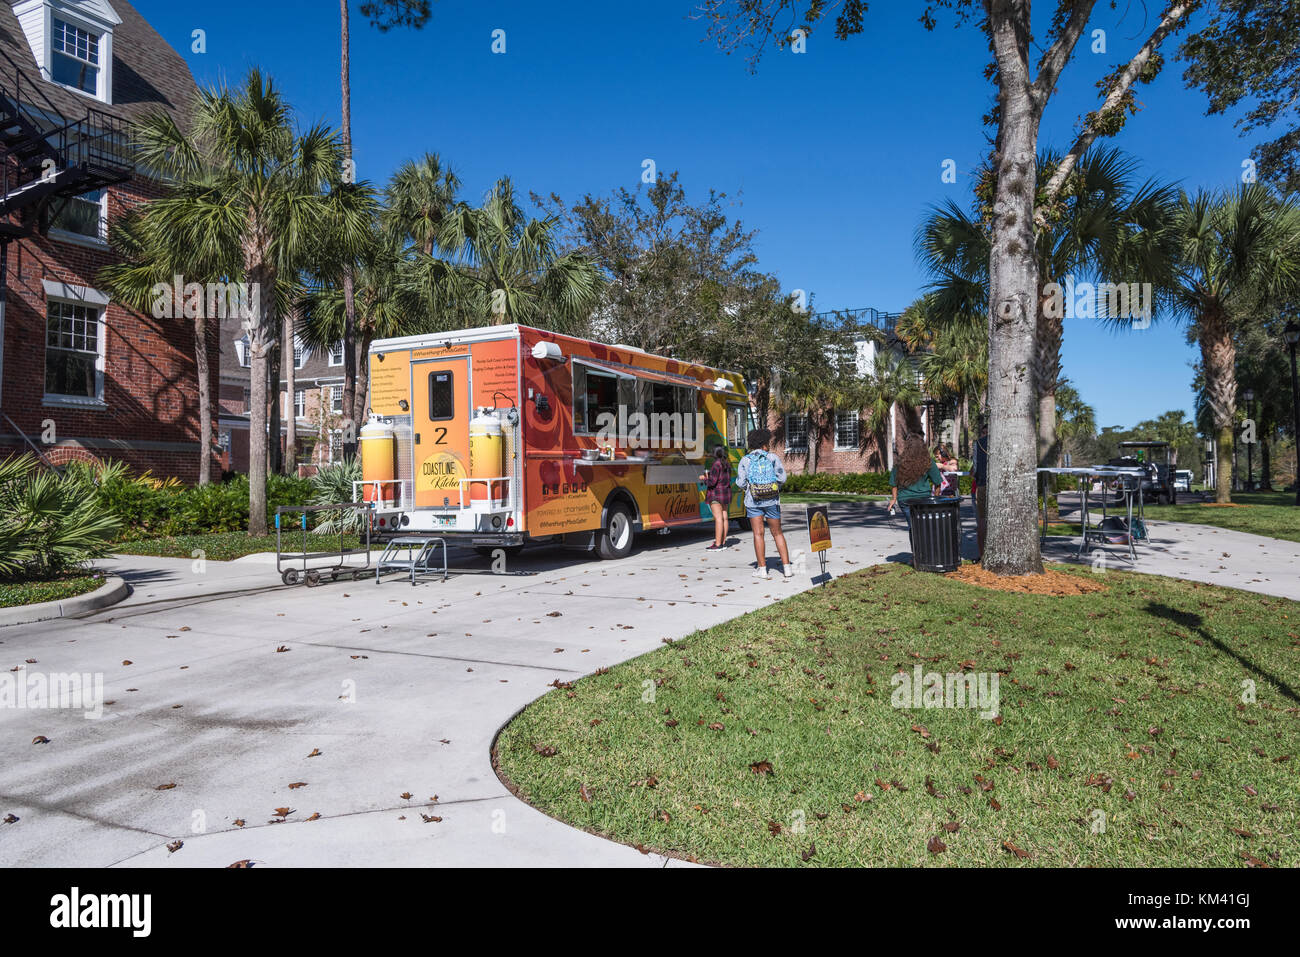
[442,436]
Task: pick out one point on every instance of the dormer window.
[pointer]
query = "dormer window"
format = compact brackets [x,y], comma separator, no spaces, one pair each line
[72,41]
[74,57]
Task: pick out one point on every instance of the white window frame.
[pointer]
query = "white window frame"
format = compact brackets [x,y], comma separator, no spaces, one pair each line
[100,310]
[797,416]
[242,354]
[336,347]
[299,403]
[300,353]
[857,431]
[336,398]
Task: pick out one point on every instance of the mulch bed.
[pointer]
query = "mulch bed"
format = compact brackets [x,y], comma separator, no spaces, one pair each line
[1048,583]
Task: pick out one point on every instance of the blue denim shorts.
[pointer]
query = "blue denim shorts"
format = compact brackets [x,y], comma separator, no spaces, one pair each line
[763,511]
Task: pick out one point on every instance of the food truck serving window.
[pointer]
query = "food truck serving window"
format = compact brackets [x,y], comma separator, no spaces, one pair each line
[597,393]
[442,395]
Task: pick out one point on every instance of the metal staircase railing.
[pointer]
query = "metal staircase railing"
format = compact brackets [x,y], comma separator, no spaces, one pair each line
[43,156]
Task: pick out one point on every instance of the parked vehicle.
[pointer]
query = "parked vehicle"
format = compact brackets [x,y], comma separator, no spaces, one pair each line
[507,434]
[1158,486]
[1183,480]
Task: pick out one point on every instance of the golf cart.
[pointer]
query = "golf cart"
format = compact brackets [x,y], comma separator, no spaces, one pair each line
[1159,484]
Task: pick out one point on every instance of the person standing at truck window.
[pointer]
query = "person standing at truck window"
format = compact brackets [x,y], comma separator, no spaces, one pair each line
[760,474]
[717,495]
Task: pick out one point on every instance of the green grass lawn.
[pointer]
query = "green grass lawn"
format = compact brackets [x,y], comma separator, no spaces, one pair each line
[1267,513]
[760,739]
[13,594]
[226,546]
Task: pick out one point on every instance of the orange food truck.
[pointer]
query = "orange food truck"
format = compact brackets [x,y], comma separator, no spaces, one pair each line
[502,435]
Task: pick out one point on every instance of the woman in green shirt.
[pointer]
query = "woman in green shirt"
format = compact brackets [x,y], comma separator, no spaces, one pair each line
[914,476]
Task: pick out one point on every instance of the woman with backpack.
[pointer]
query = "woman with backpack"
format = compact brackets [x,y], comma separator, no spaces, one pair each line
[717,495]
[760,474]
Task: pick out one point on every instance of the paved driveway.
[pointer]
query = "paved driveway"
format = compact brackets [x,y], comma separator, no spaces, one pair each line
[400,689]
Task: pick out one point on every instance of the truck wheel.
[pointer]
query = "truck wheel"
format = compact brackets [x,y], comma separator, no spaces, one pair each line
[615,539]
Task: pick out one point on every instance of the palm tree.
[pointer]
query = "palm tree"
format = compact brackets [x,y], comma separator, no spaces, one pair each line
[1076,421]
[383,15]
[508,267]
[148,264]
[418,199]
[890,388]
[1238,251]
[249,193]
[1105,224]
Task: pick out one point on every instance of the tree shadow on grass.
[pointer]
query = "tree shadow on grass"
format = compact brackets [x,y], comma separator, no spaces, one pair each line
[1194,622]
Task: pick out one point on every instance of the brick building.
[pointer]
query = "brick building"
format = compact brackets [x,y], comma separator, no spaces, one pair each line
[80,375]
[846,442]
[316,403]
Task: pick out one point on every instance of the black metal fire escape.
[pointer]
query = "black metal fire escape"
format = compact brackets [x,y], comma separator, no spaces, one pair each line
[47,159]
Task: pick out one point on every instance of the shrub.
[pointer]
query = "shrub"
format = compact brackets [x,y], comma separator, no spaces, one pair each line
[48,524]
[859,483]
[333,485]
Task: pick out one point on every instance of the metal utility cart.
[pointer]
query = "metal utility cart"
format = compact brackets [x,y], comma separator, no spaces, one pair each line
[287,563]
[419,549]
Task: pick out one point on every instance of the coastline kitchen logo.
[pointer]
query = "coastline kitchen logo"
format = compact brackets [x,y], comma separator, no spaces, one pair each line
[75,910]
[1109,300]
[923,689]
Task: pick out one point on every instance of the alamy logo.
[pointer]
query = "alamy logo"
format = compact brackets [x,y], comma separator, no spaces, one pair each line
[35,691]
[212,300]
[74,910]
[1115,300]
[654,430]
[923,689]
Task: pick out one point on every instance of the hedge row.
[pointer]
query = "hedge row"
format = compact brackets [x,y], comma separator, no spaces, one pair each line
[861,483]
[148,510]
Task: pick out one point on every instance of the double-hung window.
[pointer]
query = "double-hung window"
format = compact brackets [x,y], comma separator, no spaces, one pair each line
[74,350]
[846,430]
[74,54]
[796,433]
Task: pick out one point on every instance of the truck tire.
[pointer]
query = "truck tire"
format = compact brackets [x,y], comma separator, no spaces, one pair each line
[615,539]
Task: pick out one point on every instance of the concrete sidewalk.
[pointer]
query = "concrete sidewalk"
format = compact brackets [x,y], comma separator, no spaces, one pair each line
[400,689]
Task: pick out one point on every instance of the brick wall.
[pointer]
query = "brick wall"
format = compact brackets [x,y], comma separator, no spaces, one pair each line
[150,417]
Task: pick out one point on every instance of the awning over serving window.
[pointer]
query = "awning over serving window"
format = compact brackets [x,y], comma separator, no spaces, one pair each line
[653,375]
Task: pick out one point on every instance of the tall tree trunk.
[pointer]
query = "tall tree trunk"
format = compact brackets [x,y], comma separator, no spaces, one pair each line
[263,278]
[290,391]
[1219,363]
[277,406]
[360,403]
[205,398]
[350,423]
[1265,456]
[1011,546]
[814,440]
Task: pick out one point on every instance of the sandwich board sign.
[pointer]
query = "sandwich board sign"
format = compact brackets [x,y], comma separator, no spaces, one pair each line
[819,537]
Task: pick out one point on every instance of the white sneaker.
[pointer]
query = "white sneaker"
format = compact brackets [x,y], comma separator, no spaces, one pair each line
[787,571]
[760,572]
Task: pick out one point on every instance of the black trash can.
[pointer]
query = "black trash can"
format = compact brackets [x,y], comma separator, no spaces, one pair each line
[936,534]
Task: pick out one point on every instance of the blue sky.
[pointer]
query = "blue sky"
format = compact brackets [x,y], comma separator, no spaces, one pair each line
[833,154]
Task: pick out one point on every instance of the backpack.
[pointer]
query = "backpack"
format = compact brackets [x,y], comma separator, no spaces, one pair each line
[761,478]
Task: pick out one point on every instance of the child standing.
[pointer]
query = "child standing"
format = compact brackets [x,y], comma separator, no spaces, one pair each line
[760,474]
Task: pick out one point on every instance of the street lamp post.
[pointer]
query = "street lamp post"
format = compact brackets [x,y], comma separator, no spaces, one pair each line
[1249,396]
[1292,335]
